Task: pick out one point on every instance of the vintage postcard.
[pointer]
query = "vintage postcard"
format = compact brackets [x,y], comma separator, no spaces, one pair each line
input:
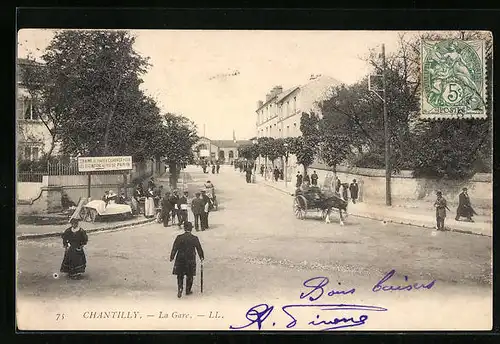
[254,180]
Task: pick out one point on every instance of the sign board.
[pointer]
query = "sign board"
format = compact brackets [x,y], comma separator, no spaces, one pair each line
[204,153]
[104,163]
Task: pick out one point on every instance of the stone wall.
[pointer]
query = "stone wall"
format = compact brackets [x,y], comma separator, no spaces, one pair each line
[405,189]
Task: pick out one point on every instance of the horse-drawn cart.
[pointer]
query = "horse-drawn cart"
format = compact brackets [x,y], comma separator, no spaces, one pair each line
[314,200]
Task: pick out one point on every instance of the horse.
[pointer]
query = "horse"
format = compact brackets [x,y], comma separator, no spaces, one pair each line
[330,203]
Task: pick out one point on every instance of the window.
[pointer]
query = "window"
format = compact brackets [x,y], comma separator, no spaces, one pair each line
[27,109]
[287,130]
[295,128]
[287,108]
[294,104]
[31,152]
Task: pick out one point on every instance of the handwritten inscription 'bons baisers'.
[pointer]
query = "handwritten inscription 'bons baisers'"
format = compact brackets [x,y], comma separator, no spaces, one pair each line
[316,288]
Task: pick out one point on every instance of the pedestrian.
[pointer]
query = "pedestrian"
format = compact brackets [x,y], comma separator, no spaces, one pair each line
[158,193]
[464,208]
[276,174]
[74,261]
[217,167]
[262,170]
[354,190]
[441,207]
[184,251]
[213,168]
[121,198]
[249,174]
[306,179]
[174,200]
[197,209]
[282,176]
[137,199]
[345,187]
[105,198]
[314,178]
[166,209]
[338,183]
[149,205]
[298,184]
[182,209]
[206,210]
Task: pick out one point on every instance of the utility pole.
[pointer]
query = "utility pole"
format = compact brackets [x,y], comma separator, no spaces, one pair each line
[388,168]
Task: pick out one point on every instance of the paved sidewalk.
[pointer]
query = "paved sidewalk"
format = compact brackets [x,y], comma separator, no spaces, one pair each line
[416,214]
[24,232]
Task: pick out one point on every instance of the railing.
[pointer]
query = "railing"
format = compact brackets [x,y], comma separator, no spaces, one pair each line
[30,177]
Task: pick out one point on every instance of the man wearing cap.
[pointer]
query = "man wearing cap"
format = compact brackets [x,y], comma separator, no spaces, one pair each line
[182,212]
[197,209]
[464,207]
[184,251]
[441,206]
[206,210]
[174,200]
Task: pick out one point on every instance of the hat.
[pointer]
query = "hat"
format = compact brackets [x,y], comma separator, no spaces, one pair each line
[112,193]
[188,226]
[464,189]
[74,220]
[439,193]
[197,194]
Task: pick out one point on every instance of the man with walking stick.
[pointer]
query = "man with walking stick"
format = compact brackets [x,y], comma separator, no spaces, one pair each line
[184,251]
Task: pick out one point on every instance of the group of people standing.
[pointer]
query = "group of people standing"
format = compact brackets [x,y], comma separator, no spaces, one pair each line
[215,166]
[146,201]
[344,190]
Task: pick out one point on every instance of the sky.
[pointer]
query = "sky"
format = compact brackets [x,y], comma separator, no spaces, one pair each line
[215,78]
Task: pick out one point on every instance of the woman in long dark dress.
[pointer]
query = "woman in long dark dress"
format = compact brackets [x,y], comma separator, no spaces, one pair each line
[74,261]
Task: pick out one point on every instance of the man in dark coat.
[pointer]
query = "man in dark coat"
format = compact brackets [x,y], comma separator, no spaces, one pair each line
[197,209]
[249,173]
[464,207]
[206,209]
[298,184]
[184,251]
[314,178]
[166,209]
[276,174]
[217,167]
[354,190]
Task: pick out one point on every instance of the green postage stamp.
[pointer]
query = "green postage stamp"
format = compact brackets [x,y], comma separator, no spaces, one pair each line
[453,79]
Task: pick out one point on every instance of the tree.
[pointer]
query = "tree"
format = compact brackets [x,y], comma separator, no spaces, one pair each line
[89,91]
[173,141]
[305,147]
[249,152]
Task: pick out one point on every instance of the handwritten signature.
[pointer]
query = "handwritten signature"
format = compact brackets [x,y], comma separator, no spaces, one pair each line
[316,288]
[259,313]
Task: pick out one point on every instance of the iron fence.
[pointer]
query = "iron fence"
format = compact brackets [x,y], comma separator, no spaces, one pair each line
[30,177]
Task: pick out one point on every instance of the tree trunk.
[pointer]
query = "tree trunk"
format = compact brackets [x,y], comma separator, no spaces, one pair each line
[174,175]
[158,165]
[110,118]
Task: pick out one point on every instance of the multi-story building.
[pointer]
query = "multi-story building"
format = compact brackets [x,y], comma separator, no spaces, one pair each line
[33,137]
[279,115]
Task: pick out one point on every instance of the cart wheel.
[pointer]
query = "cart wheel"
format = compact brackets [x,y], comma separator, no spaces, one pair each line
[299,207]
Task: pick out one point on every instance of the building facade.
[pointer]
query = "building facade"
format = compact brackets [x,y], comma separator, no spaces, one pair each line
[225,151]
[33,136]
[279,115]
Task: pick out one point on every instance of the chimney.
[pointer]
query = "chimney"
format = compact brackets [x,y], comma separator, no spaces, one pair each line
[279,89]
[259,104]
[268,96]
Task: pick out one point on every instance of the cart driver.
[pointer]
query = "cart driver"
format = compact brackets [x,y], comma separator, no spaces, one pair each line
[315,193]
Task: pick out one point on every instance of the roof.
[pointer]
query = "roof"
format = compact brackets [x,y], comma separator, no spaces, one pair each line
[229,143]
[316,90]
[286,93]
